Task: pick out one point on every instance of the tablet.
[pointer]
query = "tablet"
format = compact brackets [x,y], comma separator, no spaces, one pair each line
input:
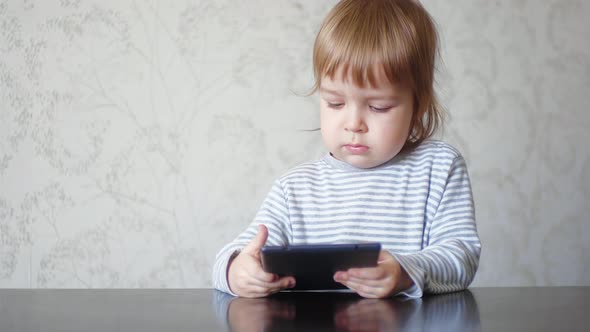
[314,265]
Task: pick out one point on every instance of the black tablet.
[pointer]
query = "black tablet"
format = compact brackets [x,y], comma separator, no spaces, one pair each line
[314,265]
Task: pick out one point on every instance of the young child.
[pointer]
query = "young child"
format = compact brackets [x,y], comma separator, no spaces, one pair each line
[383,180]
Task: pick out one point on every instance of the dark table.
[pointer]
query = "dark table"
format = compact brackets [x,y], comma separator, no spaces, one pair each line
[478,309]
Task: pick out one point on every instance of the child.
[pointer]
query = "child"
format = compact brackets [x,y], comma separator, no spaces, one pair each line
[383,179]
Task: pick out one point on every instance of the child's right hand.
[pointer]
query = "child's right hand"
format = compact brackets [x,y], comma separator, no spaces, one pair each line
[247,278]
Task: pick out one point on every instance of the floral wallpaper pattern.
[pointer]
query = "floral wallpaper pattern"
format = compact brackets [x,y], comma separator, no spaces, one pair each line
[137,137]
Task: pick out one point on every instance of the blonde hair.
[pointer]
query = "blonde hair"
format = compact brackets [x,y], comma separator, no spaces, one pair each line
[400,36]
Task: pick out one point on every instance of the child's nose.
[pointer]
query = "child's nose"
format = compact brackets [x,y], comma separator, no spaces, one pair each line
[355,122]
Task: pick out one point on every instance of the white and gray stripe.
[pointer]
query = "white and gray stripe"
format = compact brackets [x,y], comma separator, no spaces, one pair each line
[419,205]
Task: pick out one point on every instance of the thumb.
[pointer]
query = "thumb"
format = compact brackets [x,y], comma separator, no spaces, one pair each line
[258,241]
[384,255]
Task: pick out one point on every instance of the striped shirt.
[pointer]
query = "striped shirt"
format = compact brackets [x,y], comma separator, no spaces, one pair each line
[419,206]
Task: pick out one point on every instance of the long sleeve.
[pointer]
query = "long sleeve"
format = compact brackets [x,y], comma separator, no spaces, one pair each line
[452,247]
[273,213]
[419,206]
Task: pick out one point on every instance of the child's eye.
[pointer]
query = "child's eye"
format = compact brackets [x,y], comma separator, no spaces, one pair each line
[335,105]
[380,109]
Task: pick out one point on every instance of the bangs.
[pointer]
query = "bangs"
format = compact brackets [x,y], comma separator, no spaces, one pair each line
[360,41]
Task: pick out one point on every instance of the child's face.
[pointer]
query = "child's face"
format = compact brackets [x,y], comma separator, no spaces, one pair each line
[364,127]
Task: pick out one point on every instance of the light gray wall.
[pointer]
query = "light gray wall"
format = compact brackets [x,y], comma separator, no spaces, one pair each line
[137,137]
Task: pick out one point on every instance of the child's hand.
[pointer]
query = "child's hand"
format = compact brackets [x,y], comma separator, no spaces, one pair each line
[386,279]
[246,276]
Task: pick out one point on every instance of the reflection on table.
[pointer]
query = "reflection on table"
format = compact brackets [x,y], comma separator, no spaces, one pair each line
[191,310]
[313,311]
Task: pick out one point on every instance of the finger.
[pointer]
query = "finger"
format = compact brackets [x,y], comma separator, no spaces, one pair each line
[363,289]
[340,276]
[344,278]
[250,287]
[282,283]
[276,289]
[258,241]
[254,291]
[374,283]
[369,273]
[287,282]
[259,274]
[384,255]
[265,288]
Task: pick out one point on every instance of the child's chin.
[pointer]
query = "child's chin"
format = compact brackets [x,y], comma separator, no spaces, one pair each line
[362,162]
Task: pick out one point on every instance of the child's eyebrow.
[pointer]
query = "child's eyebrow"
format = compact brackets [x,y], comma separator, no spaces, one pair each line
[328,91]
[388,96]
[369,95]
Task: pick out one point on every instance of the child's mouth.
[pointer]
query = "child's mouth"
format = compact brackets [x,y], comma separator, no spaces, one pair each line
[356,148]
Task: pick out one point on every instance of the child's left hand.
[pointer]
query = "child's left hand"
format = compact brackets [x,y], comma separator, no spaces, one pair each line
[384,280]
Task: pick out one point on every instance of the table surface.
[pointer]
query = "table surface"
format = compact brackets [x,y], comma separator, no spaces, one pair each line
[477,309]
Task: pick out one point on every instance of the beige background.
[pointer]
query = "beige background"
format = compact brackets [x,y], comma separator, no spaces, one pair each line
[137,137]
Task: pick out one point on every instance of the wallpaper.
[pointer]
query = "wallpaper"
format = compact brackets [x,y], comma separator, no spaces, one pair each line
[138,137]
